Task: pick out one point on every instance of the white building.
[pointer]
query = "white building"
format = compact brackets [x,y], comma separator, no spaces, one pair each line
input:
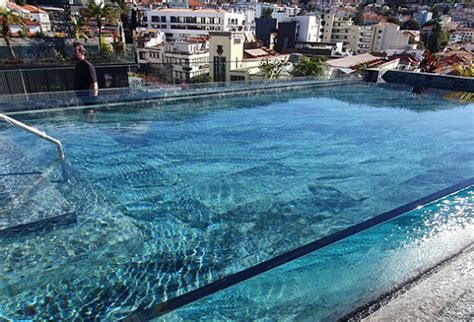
[182,23]
[41,16]
[308,28]
[279,12]
[189,59]
[247,9]
[228,61]
[462,35]
[388,35]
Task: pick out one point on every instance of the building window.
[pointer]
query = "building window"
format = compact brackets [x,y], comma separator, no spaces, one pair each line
[236,41]
[219,69]
[155,19]
[234,78]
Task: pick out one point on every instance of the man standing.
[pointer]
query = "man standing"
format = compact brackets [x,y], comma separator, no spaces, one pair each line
[85,77]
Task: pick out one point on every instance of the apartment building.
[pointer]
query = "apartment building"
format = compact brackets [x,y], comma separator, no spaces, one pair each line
[188,58]
[308,28]
[462,35]
[388,35]
[279,11]
[423,16]
[182,23]
[40,16]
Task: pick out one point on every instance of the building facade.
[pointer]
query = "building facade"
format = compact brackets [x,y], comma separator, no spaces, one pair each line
[388,35]
[182,23]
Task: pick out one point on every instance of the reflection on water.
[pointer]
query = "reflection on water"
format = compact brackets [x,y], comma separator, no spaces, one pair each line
[462,97]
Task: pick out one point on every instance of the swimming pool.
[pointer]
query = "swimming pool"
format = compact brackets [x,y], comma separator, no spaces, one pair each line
[170,197]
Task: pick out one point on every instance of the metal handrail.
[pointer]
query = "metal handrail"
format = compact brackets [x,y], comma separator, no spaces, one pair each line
[36,132]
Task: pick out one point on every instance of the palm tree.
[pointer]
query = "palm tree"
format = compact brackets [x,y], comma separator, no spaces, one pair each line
[79,29]
[100,13]
[123,12]
[9,18]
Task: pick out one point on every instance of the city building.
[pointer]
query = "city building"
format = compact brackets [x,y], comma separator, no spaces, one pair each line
[307,28]
[188,58]
[229,61]
[462,35]
[40,16]
[279,11]
[388,35]
[57,19]
[423,16]
[183,23]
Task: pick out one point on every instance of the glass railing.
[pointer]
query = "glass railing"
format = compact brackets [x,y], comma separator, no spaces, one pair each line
[338,274]
[51,100]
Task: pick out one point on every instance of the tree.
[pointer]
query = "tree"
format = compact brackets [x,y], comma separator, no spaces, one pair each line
[123,11]
[79,29]
[359,16]
[465,71]
[272,68]
[437,39]
[267,13]
[308,67]
[410,25]
[162,73]
[394,20]
[100,13]
[204,78]
[8,19]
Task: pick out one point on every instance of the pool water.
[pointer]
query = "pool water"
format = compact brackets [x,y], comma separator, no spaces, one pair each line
[170,197]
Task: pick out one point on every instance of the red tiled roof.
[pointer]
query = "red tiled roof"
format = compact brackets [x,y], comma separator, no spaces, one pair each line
[195,3]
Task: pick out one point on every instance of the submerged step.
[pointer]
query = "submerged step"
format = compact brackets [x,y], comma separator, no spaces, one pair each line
[28,200]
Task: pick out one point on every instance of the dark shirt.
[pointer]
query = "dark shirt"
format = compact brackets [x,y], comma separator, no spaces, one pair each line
[84,75]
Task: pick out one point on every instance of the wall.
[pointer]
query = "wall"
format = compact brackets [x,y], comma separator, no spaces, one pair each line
[452,83]
[264,28]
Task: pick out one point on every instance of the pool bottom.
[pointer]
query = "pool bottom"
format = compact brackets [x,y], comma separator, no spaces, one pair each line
[334,281]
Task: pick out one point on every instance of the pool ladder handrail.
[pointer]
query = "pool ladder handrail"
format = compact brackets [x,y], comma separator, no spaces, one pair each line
[36,132]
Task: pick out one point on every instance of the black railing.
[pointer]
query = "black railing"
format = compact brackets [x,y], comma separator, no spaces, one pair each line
[26,80]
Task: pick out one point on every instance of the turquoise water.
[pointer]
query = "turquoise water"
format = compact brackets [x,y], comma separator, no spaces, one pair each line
[334,281]
[172,197]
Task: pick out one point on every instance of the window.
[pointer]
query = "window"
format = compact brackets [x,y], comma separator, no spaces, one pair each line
[155,19]
[236,41]
[234,78]
[163,19]
[219,69]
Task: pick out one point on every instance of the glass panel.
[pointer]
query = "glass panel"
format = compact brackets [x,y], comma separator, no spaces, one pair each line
[336,280]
